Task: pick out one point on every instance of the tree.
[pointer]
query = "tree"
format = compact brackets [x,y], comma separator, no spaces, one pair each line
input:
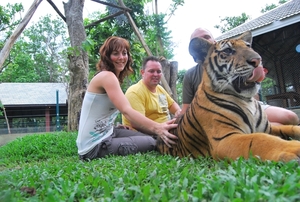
[82,45]
[8,21]
[228,23]
[232,22]
[38,55]
[179,85]
[14,36]
[152,26]
[78,65]
[272,6]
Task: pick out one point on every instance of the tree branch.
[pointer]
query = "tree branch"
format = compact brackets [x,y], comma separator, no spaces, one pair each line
[57,10]
[103,19]
[123,7]
[11,40]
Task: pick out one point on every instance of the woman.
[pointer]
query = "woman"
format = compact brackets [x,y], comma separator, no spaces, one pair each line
[97,136]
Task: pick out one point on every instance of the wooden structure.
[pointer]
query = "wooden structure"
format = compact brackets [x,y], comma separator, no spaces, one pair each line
[32,107]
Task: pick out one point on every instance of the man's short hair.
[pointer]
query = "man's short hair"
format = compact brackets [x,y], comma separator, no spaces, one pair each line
[149,58]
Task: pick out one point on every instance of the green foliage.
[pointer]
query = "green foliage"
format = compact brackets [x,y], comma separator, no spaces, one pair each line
[49,165]
[267,88]
[229,23]
[272,6]
[42,50]
[151,26]
[9,19]
[39,55]
[179,85]
[173,7]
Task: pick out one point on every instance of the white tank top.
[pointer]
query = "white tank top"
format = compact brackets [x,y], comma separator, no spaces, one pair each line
[96,123]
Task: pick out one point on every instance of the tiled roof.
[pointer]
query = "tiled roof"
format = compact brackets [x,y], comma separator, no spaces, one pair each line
[32,93]
[286,10]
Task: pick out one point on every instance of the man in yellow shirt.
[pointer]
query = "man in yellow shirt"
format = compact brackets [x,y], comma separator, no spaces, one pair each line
[148,97]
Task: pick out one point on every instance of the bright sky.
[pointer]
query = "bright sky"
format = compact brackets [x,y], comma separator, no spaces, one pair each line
[194,13]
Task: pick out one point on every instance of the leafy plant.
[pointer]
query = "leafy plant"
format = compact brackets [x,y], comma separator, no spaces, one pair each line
[232,22]
[272,6]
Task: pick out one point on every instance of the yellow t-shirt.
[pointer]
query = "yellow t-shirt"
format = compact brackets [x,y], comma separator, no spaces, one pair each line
[154,106]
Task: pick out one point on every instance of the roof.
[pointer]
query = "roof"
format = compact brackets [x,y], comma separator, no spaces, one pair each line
[281,16]
[32,93]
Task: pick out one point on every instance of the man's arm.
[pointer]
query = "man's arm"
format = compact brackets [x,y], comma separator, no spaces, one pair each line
[175,109]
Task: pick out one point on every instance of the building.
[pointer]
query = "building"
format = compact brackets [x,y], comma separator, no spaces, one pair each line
[33,107]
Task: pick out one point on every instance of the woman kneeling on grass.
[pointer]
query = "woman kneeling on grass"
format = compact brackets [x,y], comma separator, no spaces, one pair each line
[97,136]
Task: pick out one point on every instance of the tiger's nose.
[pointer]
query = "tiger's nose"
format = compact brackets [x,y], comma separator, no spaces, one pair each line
[254,62]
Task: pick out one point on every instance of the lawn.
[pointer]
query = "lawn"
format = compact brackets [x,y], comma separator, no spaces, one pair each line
[46,167]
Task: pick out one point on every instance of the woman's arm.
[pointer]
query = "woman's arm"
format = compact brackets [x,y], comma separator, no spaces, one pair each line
[112,87]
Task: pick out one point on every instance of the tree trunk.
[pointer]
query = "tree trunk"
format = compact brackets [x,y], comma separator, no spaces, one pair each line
[170,72]
[78,66]
[10,42]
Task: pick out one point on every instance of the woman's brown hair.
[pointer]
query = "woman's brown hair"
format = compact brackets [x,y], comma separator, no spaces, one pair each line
[111,44]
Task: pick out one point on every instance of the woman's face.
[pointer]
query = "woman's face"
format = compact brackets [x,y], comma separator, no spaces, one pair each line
[119,58]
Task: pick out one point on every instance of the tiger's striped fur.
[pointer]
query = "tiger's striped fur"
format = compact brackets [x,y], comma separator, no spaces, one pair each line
[224,121]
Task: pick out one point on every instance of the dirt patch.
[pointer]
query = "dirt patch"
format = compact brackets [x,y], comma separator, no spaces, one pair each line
[4,139]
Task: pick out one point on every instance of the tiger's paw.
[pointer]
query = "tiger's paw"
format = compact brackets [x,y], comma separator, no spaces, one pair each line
[286,157]
[287,132]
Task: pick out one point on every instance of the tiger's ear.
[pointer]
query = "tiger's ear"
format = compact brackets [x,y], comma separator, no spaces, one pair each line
[247,36]
[198,48]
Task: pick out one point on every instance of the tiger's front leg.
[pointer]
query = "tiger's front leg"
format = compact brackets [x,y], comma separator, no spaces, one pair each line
[260,145]
[286,132]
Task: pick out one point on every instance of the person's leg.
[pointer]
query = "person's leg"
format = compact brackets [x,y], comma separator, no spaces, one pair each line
[100,150]
[125,142]
[122,142]
[281,116]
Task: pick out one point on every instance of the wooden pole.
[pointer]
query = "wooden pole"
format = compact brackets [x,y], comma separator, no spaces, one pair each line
[7,122]
[136,30]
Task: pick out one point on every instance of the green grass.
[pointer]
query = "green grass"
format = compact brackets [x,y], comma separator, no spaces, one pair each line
[49,165]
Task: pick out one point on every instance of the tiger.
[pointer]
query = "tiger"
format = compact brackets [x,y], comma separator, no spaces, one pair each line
[224,120]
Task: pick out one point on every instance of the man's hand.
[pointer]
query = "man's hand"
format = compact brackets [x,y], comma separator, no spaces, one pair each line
[164,134]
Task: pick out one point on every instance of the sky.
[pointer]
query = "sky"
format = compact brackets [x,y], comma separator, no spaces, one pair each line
[193,14]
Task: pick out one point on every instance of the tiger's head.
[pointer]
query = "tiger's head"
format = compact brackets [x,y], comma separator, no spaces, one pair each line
[231,66]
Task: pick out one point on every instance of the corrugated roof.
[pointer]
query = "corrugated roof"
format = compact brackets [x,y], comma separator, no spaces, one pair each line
[290,9]
[32,93]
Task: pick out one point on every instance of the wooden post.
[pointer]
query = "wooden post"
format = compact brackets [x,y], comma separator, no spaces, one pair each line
[47,119]
[6,119]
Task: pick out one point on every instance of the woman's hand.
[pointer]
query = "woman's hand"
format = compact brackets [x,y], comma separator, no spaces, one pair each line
[164,134]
